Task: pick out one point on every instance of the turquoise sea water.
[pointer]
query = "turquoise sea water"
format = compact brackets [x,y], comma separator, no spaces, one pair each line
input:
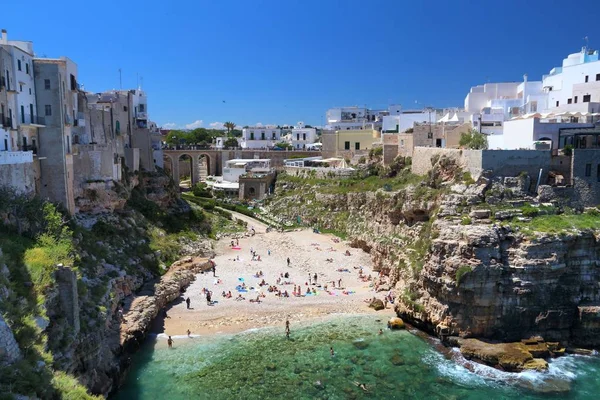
[263,364]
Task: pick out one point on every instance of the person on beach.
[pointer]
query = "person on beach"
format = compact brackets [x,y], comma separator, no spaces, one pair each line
[339,283]
[287,328]
[208,298]
[315,278]
[214,270]
[309,279]
[170,342]
[187,302]
[268,252]
[232,243]
[237,242]
[380,331]
[385,302]
[331,351]
[288,261]
[189,333]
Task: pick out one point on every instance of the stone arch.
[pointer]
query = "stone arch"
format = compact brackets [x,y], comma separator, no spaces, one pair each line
[186,168]
[204,166]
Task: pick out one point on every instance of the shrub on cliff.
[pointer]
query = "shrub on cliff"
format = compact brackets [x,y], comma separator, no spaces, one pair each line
[461,272]
[473,140]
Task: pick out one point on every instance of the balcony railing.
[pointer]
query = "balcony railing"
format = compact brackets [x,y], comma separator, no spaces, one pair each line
[15,157]
[6,121]
[141,115]
[33,149]
[28,119]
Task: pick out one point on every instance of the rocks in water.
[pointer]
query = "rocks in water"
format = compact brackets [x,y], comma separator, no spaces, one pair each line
[376,304]
[537,364]
[360,344]
[396,323]
[396,360]
[514,357]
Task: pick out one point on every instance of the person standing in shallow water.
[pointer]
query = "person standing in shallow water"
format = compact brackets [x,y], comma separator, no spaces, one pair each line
[170,342]
[331,351]
[187,302]
[287,328]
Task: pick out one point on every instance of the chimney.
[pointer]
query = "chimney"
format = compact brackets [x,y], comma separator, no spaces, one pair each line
[3,38]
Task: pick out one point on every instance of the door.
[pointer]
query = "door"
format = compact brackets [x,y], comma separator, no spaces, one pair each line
[31,113]
[22,114]
[24,143]
[5,144]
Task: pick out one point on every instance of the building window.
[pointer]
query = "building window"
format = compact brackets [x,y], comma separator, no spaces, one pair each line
[47,84]
[587,98]
[124,108]
[262,136]
[569,101]
[274,137]
[19,65]
[598,173]
[597,77]
[48,109]
[142,107]
[588,169]
[20,88]
[29,90]
[557,103]
[251,135]
[587,78]
[357,146]
[297,136]
[346,145]
[27,68]
[22,114]
[304,136]
[575,100]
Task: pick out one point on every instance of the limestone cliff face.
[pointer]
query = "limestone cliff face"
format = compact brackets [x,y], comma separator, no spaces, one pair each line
[458,264]
[486,281]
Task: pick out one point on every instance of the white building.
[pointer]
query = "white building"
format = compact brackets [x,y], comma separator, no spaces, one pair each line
[575,86]
[260,137]
[525,132]
[493,103]
[358,118]
[240,166]
[301,136]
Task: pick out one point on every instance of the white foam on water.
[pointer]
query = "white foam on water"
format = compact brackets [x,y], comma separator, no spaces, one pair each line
[165,336]
[560,369]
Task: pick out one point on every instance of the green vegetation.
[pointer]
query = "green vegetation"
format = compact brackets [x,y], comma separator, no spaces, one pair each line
[410,299]
[231,143]
[473,140]
[30,256]
[568,150]
[558,224]
[200,189]
[375,152]
[199,136]
[352,185]
[461,272]
[465,221]
[467,178]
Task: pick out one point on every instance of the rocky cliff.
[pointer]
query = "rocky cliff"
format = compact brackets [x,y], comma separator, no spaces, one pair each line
[480,259]
[84,317]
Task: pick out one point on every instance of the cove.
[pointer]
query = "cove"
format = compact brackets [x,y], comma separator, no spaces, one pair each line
[259,364]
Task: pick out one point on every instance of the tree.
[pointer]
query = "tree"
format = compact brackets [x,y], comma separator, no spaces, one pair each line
[231,143]
[229,126]
[473,140]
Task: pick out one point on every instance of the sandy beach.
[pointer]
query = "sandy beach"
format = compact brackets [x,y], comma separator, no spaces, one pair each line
[308,253]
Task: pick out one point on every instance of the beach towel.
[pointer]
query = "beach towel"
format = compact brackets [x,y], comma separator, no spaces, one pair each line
[236,248]
[241,279]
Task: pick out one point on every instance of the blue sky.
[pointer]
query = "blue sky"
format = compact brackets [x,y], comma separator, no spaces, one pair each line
[284,61]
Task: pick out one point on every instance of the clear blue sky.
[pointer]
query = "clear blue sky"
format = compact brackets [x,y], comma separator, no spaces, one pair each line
[284,61]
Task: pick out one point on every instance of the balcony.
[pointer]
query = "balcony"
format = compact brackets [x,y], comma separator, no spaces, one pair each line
[80,121]
[33,120]
[6,121]
[15,157]
[68,119]
[33,149]
[141,115]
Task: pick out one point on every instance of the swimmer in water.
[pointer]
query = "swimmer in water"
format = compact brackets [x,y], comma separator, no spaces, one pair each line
[331,351]
[170,342]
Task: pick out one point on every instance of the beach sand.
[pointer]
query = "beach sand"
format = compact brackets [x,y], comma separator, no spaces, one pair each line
[307,251]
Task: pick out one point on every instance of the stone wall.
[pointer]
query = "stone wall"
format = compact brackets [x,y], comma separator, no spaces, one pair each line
[21,177]
[501,162]
[587,186]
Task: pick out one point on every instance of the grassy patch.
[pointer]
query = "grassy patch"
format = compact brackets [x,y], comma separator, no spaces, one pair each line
[466,221]
[461,272]
[557,224]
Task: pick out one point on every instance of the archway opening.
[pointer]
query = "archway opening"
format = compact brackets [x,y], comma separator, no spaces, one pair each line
[186,171]
[204,167]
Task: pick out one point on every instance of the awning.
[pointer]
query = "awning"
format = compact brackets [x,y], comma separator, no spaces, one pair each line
[454,118]
[445,118]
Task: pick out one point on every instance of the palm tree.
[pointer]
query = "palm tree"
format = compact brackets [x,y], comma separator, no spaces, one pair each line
[229,126]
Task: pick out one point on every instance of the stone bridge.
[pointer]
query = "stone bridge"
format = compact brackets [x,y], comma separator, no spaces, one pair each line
[213,161]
